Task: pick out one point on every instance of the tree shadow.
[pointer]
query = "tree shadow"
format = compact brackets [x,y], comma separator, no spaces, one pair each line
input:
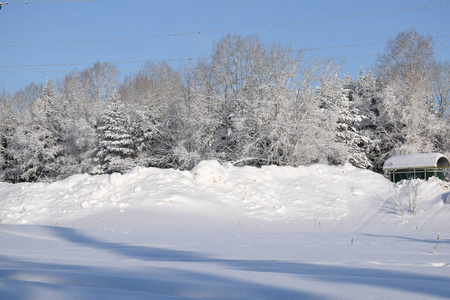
[407,238]
[410,282]
[196,284]
[446,198]
[384,204]
[82,282]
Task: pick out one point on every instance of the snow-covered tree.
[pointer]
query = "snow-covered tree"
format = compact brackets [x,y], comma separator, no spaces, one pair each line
[8,124]
[408,58]
[349,131]
[153,94]
[253,99]
[116,150]
[22,99]
[407,121]
[38,140]
[79,148]
[76,89]
[248,103]
[365,94]
[197,118]
[441,85]
[100,80]
[351,143]
[80,136]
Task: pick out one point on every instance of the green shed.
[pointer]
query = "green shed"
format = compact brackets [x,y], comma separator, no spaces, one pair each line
[417,165]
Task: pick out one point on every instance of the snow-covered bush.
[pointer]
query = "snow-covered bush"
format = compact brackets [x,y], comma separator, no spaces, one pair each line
[412,197]
[406,198]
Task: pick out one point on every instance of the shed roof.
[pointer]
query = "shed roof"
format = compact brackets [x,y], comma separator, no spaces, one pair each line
[417,160]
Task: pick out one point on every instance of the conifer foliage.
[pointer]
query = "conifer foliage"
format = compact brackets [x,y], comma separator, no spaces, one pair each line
[116,147]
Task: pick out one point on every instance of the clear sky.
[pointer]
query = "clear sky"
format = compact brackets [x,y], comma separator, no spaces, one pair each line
[41,23]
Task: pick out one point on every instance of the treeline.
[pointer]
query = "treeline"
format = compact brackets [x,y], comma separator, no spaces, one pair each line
[248,103]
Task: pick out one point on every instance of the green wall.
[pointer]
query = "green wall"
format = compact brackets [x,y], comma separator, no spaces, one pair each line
[401,174]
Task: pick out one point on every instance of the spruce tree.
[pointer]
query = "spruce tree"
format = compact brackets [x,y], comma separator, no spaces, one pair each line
[37,144]
[116,149]
[350,142]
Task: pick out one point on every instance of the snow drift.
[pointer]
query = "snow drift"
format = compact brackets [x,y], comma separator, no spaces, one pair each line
[342,195]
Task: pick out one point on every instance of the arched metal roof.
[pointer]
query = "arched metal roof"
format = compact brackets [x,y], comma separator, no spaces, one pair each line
[417,161]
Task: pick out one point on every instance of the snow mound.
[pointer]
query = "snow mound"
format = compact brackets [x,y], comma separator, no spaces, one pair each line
[342,197]
[209,171]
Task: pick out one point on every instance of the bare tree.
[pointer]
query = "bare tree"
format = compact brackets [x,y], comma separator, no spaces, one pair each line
[249,87]
[442,88]
[101,79]
[23,98]
[153,95]
[408,58]
[406,107]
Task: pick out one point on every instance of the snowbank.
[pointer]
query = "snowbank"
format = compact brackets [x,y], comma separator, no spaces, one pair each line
[342,196]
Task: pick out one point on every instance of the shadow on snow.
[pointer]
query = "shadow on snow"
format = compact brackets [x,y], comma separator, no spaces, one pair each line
[195,284]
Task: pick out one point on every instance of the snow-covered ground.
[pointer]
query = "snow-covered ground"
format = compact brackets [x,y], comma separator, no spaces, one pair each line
[222,232]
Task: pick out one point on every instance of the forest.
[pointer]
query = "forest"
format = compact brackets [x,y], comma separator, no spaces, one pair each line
[247,104]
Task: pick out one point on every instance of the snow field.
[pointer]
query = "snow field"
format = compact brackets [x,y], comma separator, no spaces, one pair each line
[223,232]
[73,264]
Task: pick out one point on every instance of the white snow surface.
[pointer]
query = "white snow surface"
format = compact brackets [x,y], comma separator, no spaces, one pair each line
[223,232]
[414,160]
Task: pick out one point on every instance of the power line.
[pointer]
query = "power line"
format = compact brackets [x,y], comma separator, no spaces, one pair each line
[30,2]
[179,59]
[116,62]
[228,29]
[204,57]
[15,71]
[307,60]
[343,46]
[361,44]
[359,56]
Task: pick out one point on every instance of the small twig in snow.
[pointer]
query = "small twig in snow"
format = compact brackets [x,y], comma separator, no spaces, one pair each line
[101,225]
[240,228]
[435,245]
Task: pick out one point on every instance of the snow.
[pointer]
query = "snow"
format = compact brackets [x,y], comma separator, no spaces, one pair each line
[415,160]
[223,232]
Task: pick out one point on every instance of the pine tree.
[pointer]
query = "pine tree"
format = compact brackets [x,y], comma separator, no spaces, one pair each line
[366,97]
[116,150]
[350,142]
[38,140]
[349,129]
[155,97]
[8,124]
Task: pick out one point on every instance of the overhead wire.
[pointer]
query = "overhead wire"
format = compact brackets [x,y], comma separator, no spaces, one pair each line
[32,2]
[116,62]
[199,32]
[204,57]
[144,61]
[227,29]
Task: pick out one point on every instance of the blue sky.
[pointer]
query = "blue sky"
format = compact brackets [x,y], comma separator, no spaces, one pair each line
[40,23]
